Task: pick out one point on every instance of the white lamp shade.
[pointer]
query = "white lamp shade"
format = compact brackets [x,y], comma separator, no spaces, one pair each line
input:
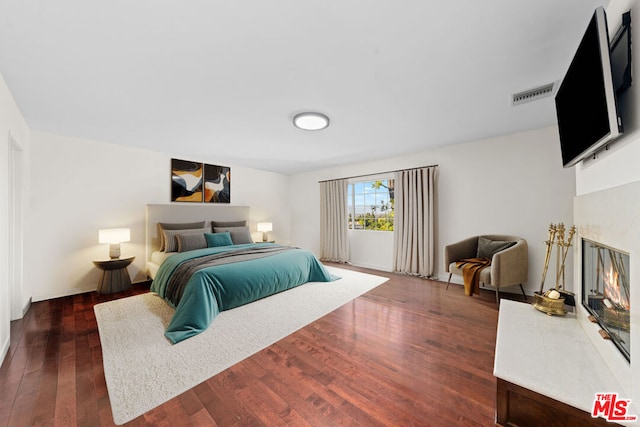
[114,235]
[265,226]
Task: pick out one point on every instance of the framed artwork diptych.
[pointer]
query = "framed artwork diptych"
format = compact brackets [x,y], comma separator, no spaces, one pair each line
[197,182]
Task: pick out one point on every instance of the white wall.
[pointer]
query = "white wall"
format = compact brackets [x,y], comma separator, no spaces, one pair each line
[371,249]
[11,123]
[615,169]
[81,186]
[513,184]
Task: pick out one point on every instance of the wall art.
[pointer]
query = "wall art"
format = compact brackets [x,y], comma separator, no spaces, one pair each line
[186,181]
[217,184]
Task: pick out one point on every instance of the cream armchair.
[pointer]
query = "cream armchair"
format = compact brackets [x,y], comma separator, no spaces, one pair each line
[509,267]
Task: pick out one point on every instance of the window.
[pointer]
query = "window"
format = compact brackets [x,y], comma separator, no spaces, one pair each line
[370,205]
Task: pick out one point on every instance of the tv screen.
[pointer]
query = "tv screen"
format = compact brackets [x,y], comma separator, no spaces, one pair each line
[585,102]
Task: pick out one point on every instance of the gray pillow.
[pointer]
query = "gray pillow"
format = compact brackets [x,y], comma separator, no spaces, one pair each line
[487,247]
[170,241]
[239,235]
[215,224]
[190,242]
[176,226]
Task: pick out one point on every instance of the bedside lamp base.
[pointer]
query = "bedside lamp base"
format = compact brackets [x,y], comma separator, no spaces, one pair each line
[114,250]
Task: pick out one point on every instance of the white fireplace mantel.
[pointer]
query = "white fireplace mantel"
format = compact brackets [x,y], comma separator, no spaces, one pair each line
[612,217]
[552,356]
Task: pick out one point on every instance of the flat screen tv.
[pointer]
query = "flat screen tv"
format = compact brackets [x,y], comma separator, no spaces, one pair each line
[586,100]
[620,52]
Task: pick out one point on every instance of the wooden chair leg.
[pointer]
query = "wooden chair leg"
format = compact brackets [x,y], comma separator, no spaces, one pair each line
[449,281]
[497,298]
[523,294]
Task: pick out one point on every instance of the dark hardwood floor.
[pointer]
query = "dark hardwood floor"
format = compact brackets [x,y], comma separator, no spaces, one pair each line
[408,353]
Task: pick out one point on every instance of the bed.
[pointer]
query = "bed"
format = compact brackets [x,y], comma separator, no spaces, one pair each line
[200,282]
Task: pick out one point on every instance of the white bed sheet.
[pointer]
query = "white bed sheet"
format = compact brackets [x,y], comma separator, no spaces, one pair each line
[157,258]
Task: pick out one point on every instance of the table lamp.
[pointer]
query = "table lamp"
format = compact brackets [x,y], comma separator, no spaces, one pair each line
[114,236]
[265,227]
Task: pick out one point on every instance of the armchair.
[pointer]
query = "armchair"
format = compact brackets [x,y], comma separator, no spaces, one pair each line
[509,267]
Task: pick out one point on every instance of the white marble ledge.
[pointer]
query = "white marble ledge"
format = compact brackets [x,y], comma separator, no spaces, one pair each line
[550,355]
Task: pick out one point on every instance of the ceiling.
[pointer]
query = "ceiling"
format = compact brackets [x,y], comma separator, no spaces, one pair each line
[220,81]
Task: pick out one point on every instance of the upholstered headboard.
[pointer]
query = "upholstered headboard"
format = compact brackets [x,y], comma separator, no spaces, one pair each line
[188,213]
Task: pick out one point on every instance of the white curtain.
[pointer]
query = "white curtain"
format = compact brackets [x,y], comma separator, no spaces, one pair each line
[334,241]
[414,242]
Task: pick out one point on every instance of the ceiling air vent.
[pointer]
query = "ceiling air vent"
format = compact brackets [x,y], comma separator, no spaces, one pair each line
[532,94]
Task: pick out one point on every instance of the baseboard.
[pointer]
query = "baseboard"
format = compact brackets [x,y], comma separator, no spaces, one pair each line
[457,280]
[444,277]
[371,266]
[145,283]
[26,307]
[62,293]
[4,350]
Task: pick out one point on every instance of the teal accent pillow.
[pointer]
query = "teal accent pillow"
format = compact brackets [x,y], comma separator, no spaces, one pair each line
[218,239]
[487,248]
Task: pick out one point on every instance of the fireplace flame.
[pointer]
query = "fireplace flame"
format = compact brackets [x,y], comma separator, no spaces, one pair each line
[612,289]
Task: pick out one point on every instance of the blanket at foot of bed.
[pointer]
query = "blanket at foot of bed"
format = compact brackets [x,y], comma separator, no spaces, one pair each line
[217,287]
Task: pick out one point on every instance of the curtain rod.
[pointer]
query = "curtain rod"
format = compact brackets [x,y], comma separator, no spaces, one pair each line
[379,173]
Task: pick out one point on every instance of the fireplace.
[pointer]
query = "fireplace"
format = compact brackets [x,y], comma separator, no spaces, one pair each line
[606,291]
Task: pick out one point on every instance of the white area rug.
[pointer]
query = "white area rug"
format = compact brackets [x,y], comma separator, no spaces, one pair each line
[143,370]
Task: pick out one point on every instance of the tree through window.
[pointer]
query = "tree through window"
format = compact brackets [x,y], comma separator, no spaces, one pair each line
[371,205]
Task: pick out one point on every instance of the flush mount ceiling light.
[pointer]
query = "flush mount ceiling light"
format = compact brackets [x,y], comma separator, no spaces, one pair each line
[310,121]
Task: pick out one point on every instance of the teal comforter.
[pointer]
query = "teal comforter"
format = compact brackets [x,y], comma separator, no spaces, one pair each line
[212,289]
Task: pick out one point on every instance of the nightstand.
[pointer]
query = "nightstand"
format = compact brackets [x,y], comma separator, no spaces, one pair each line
[114,276]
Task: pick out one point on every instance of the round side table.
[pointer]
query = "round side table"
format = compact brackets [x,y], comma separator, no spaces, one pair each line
[114,276]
